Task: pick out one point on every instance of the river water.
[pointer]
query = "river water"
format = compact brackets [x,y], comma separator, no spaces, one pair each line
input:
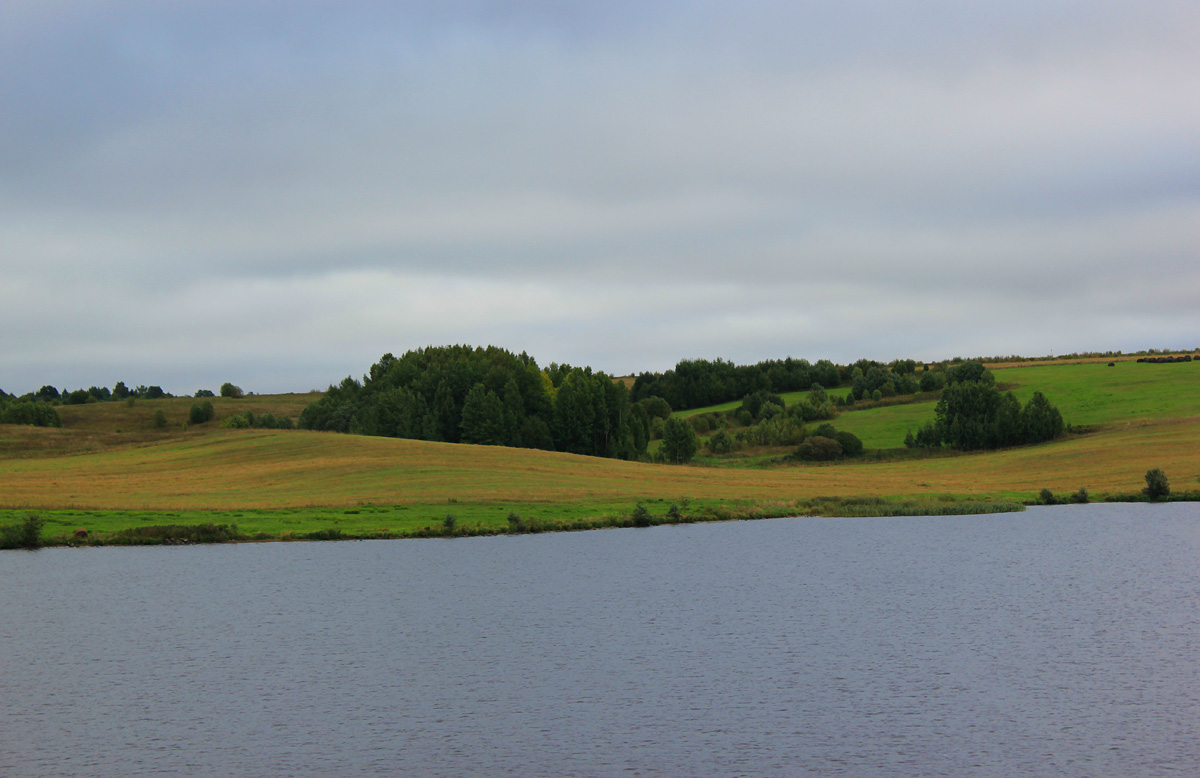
[1060,642]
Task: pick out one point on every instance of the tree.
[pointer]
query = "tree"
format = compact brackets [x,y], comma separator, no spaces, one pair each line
[679,443]
[482,418]
[1040,420]
[1157,486]
[229,390]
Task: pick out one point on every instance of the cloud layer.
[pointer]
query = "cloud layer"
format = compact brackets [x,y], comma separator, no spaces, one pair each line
[199,192]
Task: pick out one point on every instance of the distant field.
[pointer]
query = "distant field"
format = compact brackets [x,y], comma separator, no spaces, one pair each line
[1089,394]
[110,461]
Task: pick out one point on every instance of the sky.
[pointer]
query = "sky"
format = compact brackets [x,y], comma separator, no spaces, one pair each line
[276,193]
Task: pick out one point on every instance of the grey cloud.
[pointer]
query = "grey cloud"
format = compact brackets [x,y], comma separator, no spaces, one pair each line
[751,181]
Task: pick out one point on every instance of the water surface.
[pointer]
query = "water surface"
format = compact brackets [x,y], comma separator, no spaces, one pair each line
[1059,641]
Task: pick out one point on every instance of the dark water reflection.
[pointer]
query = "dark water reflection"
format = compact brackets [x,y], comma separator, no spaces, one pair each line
[1060,641]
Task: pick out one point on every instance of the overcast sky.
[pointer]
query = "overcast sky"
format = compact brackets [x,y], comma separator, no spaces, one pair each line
[277,193]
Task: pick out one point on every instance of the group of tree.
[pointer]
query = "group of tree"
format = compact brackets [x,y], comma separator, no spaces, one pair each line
[696,383]
[699,382]
[488,396]
[51,395]
[18,410]
[973,414]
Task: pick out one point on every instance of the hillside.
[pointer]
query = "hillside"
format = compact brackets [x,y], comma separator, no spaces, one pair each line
[109,457]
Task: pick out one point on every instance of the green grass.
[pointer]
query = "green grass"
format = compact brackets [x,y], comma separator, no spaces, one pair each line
[1095,394]
[67,527]
[1088,395]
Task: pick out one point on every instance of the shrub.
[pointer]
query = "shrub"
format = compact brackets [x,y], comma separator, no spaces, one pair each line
[238,422]
[720,443]
[1047,497]
[160,419]
[27,534]
[640,516]
[851,445]
[450,522]
[818,448]
[37,414]
[1081,497]
[229,390]
[1157,486]
[201,412]
[673,513]
[171,534]
[515,522]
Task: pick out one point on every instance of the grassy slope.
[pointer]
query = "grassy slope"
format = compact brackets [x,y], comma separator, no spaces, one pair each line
[1153,412]
[1090,394]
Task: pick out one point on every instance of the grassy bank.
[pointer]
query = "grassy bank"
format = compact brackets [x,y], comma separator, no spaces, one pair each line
[102,528]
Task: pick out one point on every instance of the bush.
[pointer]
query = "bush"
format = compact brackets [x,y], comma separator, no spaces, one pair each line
[515,523]
[720,443]
[172,534]
[1047,497]
[229,390]
[27,534]
[160,419]
[1081,497]
[640,516]
[1157,486]
[37,414]
[819,449]
[201,412]
[851,445]
[450,522]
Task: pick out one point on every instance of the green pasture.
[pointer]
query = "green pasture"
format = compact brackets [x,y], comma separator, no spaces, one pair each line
[1095,394]
[1087,394]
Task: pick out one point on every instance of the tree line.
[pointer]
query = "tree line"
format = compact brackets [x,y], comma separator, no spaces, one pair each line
[486,395]
[697,383]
